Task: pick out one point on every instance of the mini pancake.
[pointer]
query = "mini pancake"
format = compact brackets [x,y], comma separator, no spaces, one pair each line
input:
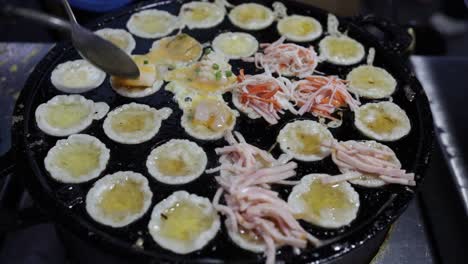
[77,159]
[304,139]
[369,180]
[119,37]
[76,76]
[208,118]
[201,14]
[251,16]
[299,28]
[119,199]
[247,240]
[341,50]
[183,222]
[178,161]
[64,115]
[325,205]
[134,123]
[149,81]
[211,76]
[152,23]
[371,82]
[175,51]
[383,121]
[235,45]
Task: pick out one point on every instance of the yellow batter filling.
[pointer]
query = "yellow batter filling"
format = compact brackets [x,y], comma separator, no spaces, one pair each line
[185,221]
[66,115]
[122,199]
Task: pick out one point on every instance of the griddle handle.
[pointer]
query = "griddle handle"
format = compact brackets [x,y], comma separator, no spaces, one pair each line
[397,39]
[7,163]
[12,215]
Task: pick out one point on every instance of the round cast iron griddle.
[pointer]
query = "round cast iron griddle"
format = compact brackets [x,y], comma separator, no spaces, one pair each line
[379,207]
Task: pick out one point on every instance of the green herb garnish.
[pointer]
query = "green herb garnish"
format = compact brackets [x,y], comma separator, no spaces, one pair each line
[215,66]
[228,73]
[208,51]
[218,75]
[145,62]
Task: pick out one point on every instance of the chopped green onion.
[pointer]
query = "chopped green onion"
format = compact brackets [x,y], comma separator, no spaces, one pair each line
[218,75]
[215,66]
[145,62]
[208,51]
[228,73]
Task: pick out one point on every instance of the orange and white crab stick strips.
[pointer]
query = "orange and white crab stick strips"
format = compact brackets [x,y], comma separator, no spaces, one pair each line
[322,95]
[264,94]
[286,59]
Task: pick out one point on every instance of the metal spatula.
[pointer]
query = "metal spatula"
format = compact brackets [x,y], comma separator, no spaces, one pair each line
[100,52]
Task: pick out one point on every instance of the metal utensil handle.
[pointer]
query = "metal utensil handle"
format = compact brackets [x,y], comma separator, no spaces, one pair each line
[45,19]
[69,11]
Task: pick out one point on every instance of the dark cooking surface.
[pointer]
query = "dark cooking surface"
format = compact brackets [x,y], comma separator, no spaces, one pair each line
[407,241]
[67,200]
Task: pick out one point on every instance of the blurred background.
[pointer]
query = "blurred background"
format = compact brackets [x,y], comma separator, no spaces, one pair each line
[440,25]
[432,230]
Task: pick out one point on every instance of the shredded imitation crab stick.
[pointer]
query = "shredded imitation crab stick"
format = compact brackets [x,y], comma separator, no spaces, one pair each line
[241,157]
[359,157]
[265,95]
[322,95]
[286,59]
[250,205]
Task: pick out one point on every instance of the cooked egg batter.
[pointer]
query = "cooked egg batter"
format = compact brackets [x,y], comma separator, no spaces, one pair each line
[342,47]
[378,120]
[172,166]
[179,49]
[132,120]
[310,143]
[325,196]
[78,159]
[325,205]
[371,82]
[66,115]
[184,221]
[119,199]
[341,50]
[235,45]
[383,121]
[177,161]
[208,118]
[195,82]
[76,76]
[152,23]
[122,199]
[251,16]
[202,14]
[299,28]
[134,123]
[304,139]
